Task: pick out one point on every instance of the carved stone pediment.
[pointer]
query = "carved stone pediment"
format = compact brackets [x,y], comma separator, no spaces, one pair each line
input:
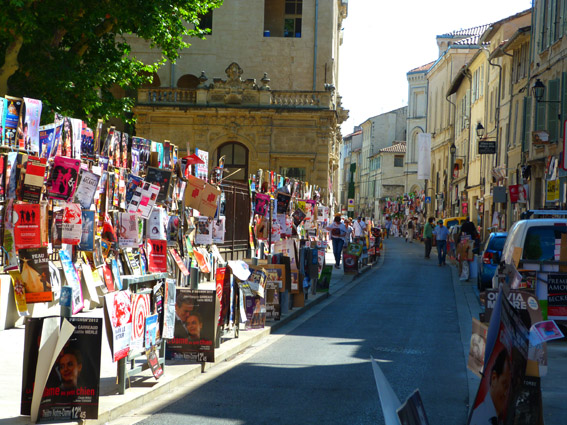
[234,86]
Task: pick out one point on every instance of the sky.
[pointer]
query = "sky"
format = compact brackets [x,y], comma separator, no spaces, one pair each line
[383,40]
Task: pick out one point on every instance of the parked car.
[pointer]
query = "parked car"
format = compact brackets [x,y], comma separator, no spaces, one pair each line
[491,253]
[531,242]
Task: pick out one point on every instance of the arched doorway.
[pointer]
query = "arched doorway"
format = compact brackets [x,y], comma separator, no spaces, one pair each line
[235,160]
[188,81]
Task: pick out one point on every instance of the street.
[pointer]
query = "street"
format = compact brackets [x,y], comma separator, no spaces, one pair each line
[319,371]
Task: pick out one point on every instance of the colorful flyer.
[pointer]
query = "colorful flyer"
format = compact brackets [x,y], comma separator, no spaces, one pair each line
[72,230]
[72,388]
[179,261]
[219,229]
[157,256]
[118,319]
[162,178]
[72,280]
[128,230]
[204,233]
[195,323]
[87,230]
[141,308]
[151,337]
[63,178]
[34,269]
[26,221]
[144,199]
[28,125]
[86,188]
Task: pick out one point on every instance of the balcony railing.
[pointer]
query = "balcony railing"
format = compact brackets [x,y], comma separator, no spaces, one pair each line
[288,99]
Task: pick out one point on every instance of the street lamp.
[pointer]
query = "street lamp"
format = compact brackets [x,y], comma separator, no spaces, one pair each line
[453,149]
[479,130]
[538,90]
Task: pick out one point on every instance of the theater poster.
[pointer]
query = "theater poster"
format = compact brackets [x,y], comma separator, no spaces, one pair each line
[67,374]
[118,320]
[157,256]
[34,268]
[72,389]
[195,325]
[27,223]
[73,281]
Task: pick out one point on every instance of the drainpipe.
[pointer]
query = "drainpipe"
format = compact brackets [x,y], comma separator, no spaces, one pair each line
[315,45]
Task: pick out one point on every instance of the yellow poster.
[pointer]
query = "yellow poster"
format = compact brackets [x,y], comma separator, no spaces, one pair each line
[553,190]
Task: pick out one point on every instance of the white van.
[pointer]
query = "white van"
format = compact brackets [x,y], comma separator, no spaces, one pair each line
[536,237]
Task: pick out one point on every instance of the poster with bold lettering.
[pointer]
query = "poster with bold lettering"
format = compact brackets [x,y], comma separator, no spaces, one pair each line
[34,268]
[86,188]
[72,230]
[26,220]
[557,296]
[118,320]
[72,388]
[63,179]
[157,256]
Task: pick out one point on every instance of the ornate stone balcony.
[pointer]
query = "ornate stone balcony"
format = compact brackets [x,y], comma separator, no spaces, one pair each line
[237,92]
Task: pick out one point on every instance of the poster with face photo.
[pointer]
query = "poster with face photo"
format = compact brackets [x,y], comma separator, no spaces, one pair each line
[204,233]
[219,229]
[196,314]
[156,224]
[28,128]
[34,268]
[72,389]
[255,312]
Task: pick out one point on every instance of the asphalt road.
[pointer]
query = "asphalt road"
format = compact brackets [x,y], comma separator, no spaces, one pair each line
[317,370]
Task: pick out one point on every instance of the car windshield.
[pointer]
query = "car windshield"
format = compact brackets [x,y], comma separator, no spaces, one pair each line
[497,243]
[540,242]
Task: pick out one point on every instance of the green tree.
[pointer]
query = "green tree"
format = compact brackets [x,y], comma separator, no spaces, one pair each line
[70,53]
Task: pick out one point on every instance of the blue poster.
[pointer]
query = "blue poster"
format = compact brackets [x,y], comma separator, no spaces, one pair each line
[88,231]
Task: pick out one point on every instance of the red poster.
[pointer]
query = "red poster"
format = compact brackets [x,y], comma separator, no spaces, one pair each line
[108,280]
[157,253]
[179,262]
[27,219]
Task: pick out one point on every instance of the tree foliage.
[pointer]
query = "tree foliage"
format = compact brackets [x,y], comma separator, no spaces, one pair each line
[70,53]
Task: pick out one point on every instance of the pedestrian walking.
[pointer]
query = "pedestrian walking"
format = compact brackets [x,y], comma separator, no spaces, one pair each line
[359,227]
[388,226]
[441,232]
[410,230]
[338,233]
[428,236]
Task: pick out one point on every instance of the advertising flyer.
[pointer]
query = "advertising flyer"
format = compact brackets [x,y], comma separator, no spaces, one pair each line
[219,229]
[162,178]
[118,320]
[69,390]
[196,314]
[128,230]
[87,231]
[144,199]
[34,269]
[157,256]
[255,312]
[63,179]
[72,389]
[204,234]
[86,188]
[26,222]
[72,281]
[141,309]
[72,229]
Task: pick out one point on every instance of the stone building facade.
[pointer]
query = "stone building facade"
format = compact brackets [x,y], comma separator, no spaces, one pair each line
[272,102]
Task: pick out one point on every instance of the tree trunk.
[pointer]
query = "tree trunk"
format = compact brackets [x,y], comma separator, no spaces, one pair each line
[11,64]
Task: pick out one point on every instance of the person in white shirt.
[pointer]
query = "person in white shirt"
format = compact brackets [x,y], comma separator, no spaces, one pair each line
[359,227]
[338,233]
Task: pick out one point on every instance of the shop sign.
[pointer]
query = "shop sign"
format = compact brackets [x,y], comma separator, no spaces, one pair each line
[486,147]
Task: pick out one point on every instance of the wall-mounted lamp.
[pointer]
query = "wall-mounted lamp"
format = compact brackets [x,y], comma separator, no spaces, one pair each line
[538,92]
[479,130]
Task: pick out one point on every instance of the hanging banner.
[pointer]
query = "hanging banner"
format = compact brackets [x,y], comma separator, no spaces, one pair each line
[424,156]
